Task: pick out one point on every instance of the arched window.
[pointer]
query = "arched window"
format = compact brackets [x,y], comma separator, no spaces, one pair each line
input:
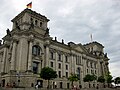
[36,22]
[31,20]
[36,50]
[40,24]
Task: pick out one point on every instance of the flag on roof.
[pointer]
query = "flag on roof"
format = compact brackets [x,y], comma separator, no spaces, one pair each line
[29,5]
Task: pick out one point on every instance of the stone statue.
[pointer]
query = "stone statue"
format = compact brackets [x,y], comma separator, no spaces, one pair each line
[17,26]
[62,41]
[105,55]
[47,32]
[8,32]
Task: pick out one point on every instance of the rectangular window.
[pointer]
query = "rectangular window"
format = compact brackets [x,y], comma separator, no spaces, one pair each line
[36,50]
[35,67]
[61,85]
[95,65]
[59,57]
[66,58]
[95,72]
[51,64]
[78,60]
[91,64]
[59,65]
[87,63]
[66,67]
[66,74]
[92,72]
[52,55]
[68,85]
[59,74]
[87,70]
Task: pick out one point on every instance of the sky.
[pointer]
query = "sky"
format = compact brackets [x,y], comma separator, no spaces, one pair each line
[74,20]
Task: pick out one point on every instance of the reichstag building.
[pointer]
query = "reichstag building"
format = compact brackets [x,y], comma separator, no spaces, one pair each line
[28,47]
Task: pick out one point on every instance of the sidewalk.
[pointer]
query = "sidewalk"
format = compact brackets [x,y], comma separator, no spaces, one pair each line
[56,89]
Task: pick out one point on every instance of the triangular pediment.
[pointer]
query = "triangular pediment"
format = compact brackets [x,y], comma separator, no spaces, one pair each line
[80,48]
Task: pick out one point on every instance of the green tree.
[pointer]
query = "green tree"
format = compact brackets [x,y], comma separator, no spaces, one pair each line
[117,80]
[101,79]
[109,79]
[88,78]
[48,74]
[73,78]
[94,77]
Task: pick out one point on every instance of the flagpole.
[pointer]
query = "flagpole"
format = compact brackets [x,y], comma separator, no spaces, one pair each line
[91,38]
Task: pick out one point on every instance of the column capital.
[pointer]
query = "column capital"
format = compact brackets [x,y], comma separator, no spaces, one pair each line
[15,40]
[46,45]
[31,38]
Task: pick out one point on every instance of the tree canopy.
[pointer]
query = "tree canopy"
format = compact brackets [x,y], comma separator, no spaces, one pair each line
[94,77]
[108,77]
[89,78]
[48,73]
[101,79]
[117,80]
[73,78]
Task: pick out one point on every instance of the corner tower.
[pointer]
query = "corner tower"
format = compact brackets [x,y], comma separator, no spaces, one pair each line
[29,19]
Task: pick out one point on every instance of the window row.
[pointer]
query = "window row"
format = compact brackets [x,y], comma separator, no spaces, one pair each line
[91,64]
[59,57]
[60,75]
[59,65]
[92,71]
[36,22]
[78,60]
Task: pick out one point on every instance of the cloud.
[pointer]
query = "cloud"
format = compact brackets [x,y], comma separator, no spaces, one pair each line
[75,21]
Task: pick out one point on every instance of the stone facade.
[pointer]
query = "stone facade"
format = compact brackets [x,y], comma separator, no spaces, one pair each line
[28,47]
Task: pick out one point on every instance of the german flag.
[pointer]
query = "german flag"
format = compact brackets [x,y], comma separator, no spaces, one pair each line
[29,5]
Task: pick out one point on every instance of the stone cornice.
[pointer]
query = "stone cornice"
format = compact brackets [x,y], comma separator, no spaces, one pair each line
[94,43]
[53,42]
[31,13]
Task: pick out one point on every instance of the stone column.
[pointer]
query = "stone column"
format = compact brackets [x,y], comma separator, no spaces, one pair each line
[41,63]
[3,60]
[39,67]
[64,66]
[30,56]
[47,55]
[74,63]
[71,64]
[13,56]
[103,70]
[56,64]
[7,64]
[23,54]
[101,67]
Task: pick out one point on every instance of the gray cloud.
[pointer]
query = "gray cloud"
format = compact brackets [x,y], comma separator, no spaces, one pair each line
[75,21]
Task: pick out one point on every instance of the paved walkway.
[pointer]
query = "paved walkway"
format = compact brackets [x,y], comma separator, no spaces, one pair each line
[56,89]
